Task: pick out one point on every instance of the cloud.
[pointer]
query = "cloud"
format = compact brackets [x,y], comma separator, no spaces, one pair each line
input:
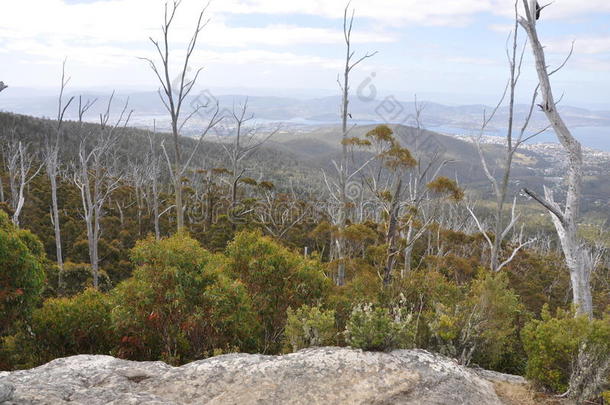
[113,33]
[106,36]
[502,28]
[391,12]
[129,21]
[591,45]
[283,35]
[473,61]
[270,58]
[568,9]
[400,12]
[592,64]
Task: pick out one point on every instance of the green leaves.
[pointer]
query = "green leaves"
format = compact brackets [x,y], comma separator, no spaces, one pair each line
[446,186]
[552,344]
[276,279]
[179,305]
[309,326]
[379,329]
[21,273]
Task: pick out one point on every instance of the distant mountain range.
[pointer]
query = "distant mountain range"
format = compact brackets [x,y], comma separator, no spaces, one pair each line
[593,127]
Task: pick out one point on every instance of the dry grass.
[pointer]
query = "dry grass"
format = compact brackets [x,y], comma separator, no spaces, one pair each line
[520,394]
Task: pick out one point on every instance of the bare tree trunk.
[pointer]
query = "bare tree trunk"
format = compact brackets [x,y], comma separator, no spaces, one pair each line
[95,178]
[565,221]
[392,252]
[173,95]
[343,168]
[500,228]
[52,166]
[156,208]
[20,198]
[154,171]
[408,252]
[19,163]
[95,257]
[244,145]
[56,227]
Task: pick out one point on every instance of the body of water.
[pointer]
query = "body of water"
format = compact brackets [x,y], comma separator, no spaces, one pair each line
[591,137]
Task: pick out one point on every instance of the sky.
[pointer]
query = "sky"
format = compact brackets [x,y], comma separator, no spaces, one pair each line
[447,51]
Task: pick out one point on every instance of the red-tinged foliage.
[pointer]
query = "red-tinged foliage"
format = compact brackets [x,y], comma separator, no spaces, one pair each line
[179,304]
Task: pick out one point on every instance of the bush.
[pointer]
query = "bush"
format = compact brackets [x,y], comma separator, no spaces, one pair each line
[276,279]
[77,277]
[380,329]
[309,326]
[553,345]
[63,327]
[482,326]
[21,274]
[78,325]
[178,306]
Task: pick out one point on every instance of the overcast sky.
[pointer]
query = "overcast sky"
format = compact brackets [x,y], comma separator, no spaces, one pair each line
[450,51]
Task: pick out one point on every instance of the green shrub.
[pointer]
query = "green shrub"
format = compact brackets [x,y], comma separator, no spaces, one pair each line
[309,326]
[62,327]
[178,305]
[380,329]
[21,274]
[77,325]
[553,344]
[482,326]
[77,277]
[276,278]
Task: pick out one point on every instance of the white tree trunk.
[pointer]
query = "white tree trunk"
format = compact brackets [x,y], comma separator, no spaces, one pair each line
[565,221]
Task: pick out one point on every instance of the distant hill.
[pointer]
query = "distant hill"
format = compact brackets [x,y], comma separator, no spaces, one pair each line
[316,111]
[296,159]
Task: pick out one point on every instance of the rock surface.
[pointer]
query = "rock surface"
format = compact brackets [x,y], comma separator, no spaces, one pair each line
[312,376]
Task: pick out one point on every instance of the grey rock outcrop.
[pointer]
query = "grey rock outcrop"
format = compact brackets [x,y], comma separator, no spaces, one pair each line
[6,392]
[314,376]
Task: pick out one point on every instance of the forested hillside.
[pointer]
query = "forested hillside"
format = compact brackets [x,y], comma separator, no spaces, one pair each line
[266,260]
[219,235]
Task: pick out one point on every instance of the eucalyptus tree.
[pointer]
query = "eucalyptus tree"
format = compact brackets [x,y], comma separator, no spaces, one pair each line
[344,171]
[387,184]
[153,173]
[429,163]
[174,93]
[97,174]
[565,219]
[515,138]
[400,183]
[246,140]
[51,149]
[22,168]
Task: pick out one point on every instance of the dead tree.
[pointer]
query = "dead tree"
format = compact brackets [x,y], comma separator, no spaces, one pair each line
[96,175]
[343,168]
[429,164]
[385,180]
[278,213]
[246,141]
[21,168]
[173,93]
[137,176]
[153,165]
[565,219]
[514,140]
[51,149]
